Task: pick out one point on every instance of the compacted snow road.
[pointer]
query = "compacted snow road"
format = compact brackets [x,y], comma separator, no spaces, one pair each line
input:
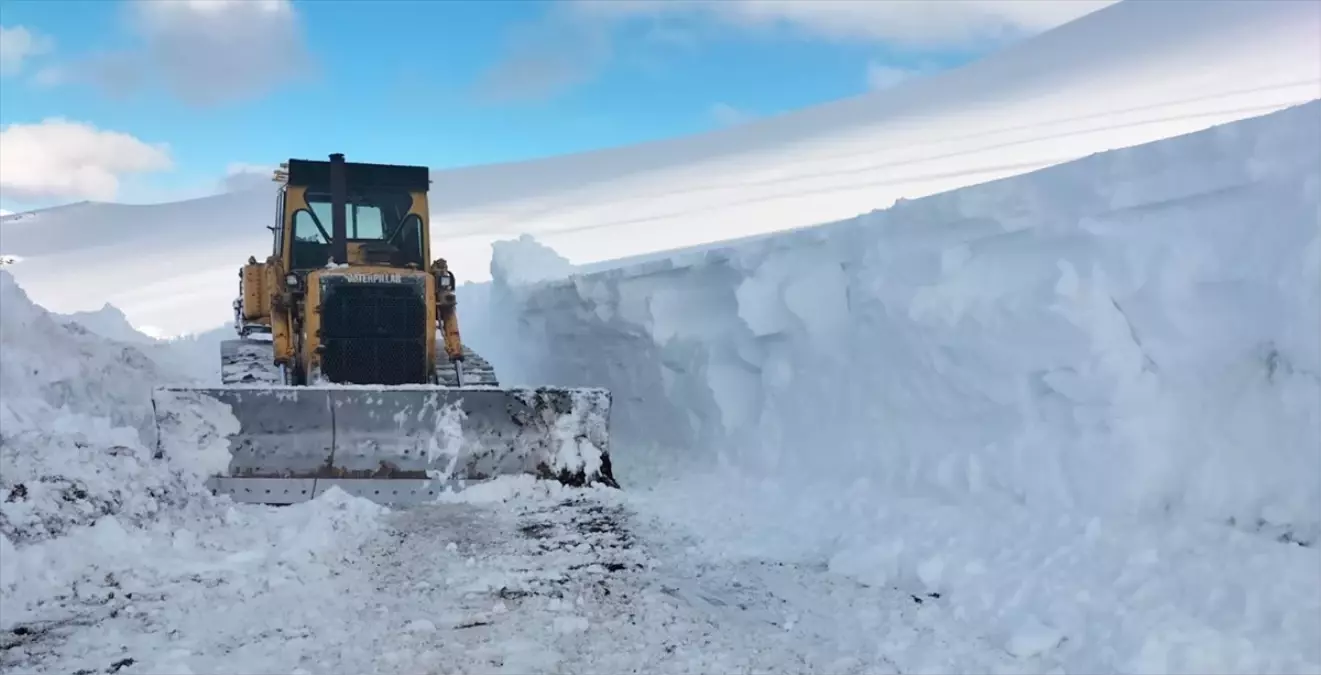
[516,579]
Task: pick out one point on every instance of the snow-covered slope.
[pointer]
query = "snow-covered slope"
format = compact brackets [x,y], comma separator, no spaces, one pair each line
[167,267]
[1133,72]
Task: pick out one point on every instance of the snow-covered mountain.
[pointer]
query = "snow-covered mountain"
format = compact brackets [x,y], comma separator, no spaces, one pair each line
[1134,72]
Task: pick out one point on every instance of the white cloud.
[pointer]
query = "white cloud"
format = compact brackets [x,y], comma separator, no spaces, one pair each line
[17,45]
[574,41]
[727,115]
[210,51]
[543,57]
[883,76]
[911,23]
[59,159]
[51,76]
[205,52]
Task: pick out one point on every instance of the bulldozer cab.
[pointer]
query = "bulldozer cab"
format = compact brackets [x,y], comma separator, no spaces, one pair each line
[338,212]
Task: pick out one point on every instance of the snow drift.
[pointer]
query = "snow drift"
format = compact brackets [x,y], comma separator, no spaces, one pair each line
[1131,333]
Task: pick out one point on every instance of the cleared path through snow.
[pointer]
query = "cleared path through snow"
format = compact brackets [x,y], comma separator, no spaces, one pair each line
[565,581]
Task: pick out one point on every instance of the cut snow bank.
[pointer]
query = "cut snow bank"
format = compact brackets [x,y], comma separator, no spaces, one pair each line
[195,357]
[1131,333]
[1033,403]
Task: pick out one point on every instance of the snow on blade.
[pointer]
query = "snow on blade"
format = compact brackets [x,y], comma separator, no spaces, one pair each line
[447,441]
[1083,406]
[578,436]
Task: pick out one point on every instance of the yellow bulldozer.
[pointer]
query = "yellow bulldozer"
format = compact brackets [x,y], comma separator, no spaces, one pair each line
[349,369]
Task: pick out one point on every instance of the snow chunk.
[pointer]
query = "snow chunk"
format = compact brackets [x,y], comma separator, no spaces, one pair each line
[420,626]
[497,490]
[1032,638]
[526,261]
[571,624]
[110,322]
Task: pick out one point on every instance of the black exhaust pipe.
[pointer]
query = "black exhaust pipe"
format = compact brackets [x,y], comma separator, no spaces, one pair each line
[339,228]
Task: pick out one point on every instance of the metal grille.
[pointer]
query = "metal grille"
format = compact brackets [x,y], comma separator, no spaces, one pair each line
[374,333]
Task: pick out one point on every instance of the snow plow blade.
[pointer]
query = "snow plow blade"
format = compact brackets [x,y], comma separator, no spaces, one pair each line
[393,445]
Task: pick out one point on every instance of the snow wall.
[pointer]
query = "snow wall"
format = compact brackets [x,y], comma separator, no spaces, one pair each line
[1135,332]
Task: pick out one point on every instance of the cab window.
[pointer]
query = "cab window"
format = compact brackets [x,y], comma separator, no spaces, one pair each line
[378,219]
[311,241]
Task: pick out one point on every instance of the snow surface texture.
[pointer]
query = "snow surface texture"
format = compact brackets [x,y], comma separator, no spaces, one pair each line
[1128,74]
[508,578]
[966,392]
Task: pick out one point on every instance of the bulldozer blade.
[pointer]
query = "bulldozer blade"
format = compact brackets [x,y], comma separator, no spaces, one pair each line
[396,444]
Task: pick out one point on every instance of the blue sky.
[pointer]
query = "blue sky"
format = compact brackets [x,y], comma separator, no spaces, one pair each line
[436,82]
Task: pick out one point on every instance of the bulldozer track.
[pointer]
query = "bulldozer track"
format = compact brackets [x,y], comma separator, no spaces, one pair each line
[252,361]
[477,371]
[248,361]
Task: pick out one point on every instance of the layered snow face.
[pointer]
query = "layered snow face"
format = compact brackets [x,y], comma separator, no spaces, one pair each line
[1132,333]
[1034,403]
